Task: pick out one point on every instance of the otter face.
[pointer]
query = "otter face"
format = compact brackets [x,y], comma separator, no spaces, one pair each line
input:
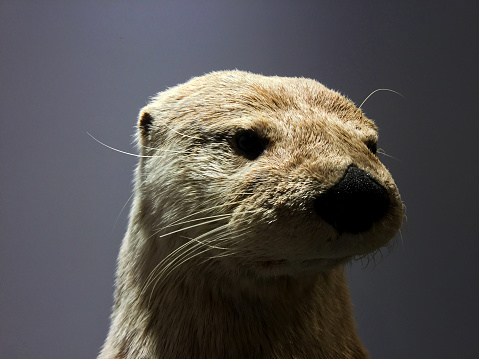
[275,176]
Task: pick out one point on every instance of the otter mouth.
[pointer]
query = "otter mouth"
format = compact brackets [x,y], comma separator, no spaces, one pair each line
[309,263]
[274,263]
[323,262]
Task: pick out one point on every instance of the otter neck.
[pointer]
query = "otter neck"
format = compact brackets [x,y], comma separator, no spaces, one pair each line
[198,312]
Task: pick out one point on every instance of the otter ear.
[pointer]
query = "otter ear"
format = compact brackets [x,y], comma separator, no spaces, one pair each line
[145,124]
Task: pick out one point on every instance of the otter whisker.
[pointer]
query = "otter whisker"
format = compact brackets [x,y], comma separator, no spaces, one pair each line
[175,262]
[377,90]
[134,154]
[165,150]
[190,254]
[183,251]
[168,270]
[117,150]
[221,217]
[380,151]
[196,220]
[174,223]
[209,209]
[228,251]
[179,133]
[122,209]
[193,226]
[177,223]
[168,261]
[186,256]
[207,242]
[179,252]
[160,271]
[400,236]
[153,274]
[220,238]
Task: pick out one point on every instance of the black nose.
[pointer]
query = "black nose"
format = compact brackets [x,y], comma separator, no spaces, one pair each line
[354,203]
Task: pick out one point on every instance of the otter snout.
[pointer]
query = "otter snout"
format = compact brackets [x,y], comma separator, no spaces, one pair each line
[354,203]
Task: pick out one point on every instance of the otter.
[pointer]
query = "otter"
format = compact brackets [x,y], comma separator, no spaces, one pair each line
[251,195]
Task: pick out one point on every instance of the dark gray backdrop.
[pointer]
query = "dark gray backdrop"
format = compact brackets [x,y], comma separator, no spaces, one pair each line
[71,67]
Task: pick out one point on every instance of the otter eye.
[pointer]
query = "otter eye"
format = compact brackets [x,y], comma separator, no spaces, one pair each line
[249,144]
[373,147]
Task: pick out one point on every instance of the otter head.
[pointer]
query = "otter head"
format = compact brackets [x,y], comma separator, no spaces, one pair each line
[265,175]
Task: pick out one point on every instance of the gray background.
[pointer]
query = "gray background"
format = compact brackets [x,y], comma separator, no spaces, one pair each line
[71,67]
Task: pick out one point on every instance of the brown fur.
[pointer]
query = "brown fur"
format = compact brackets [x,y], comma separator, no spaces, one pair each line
[259,275]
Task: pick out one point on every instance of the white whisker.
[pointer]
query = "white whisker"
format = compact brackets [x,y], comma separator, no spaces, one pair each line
[380,151]
[377,90]
[191,249]
[198,219]
[122,209]
[117,150]
[204,210]
[193,226]
[179,133]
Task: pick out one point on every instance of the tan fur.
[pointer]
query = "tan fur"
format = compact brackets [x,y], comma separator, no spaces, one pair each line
[259,274]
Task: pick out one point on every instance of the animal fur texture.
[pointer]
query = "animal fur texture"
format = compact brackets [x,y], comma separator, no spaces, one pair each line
[251,194]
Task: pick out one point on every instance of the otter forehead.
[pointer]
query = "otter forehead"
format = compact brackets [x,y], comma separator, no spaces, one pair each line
[222,100]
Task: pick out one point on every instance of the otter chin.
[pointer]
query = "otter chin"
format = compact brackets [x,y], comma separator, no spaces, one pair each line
[251,194]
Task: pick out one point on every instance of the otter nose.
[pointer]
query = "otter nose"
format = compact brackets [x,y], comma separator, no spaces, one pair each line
[354,203]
